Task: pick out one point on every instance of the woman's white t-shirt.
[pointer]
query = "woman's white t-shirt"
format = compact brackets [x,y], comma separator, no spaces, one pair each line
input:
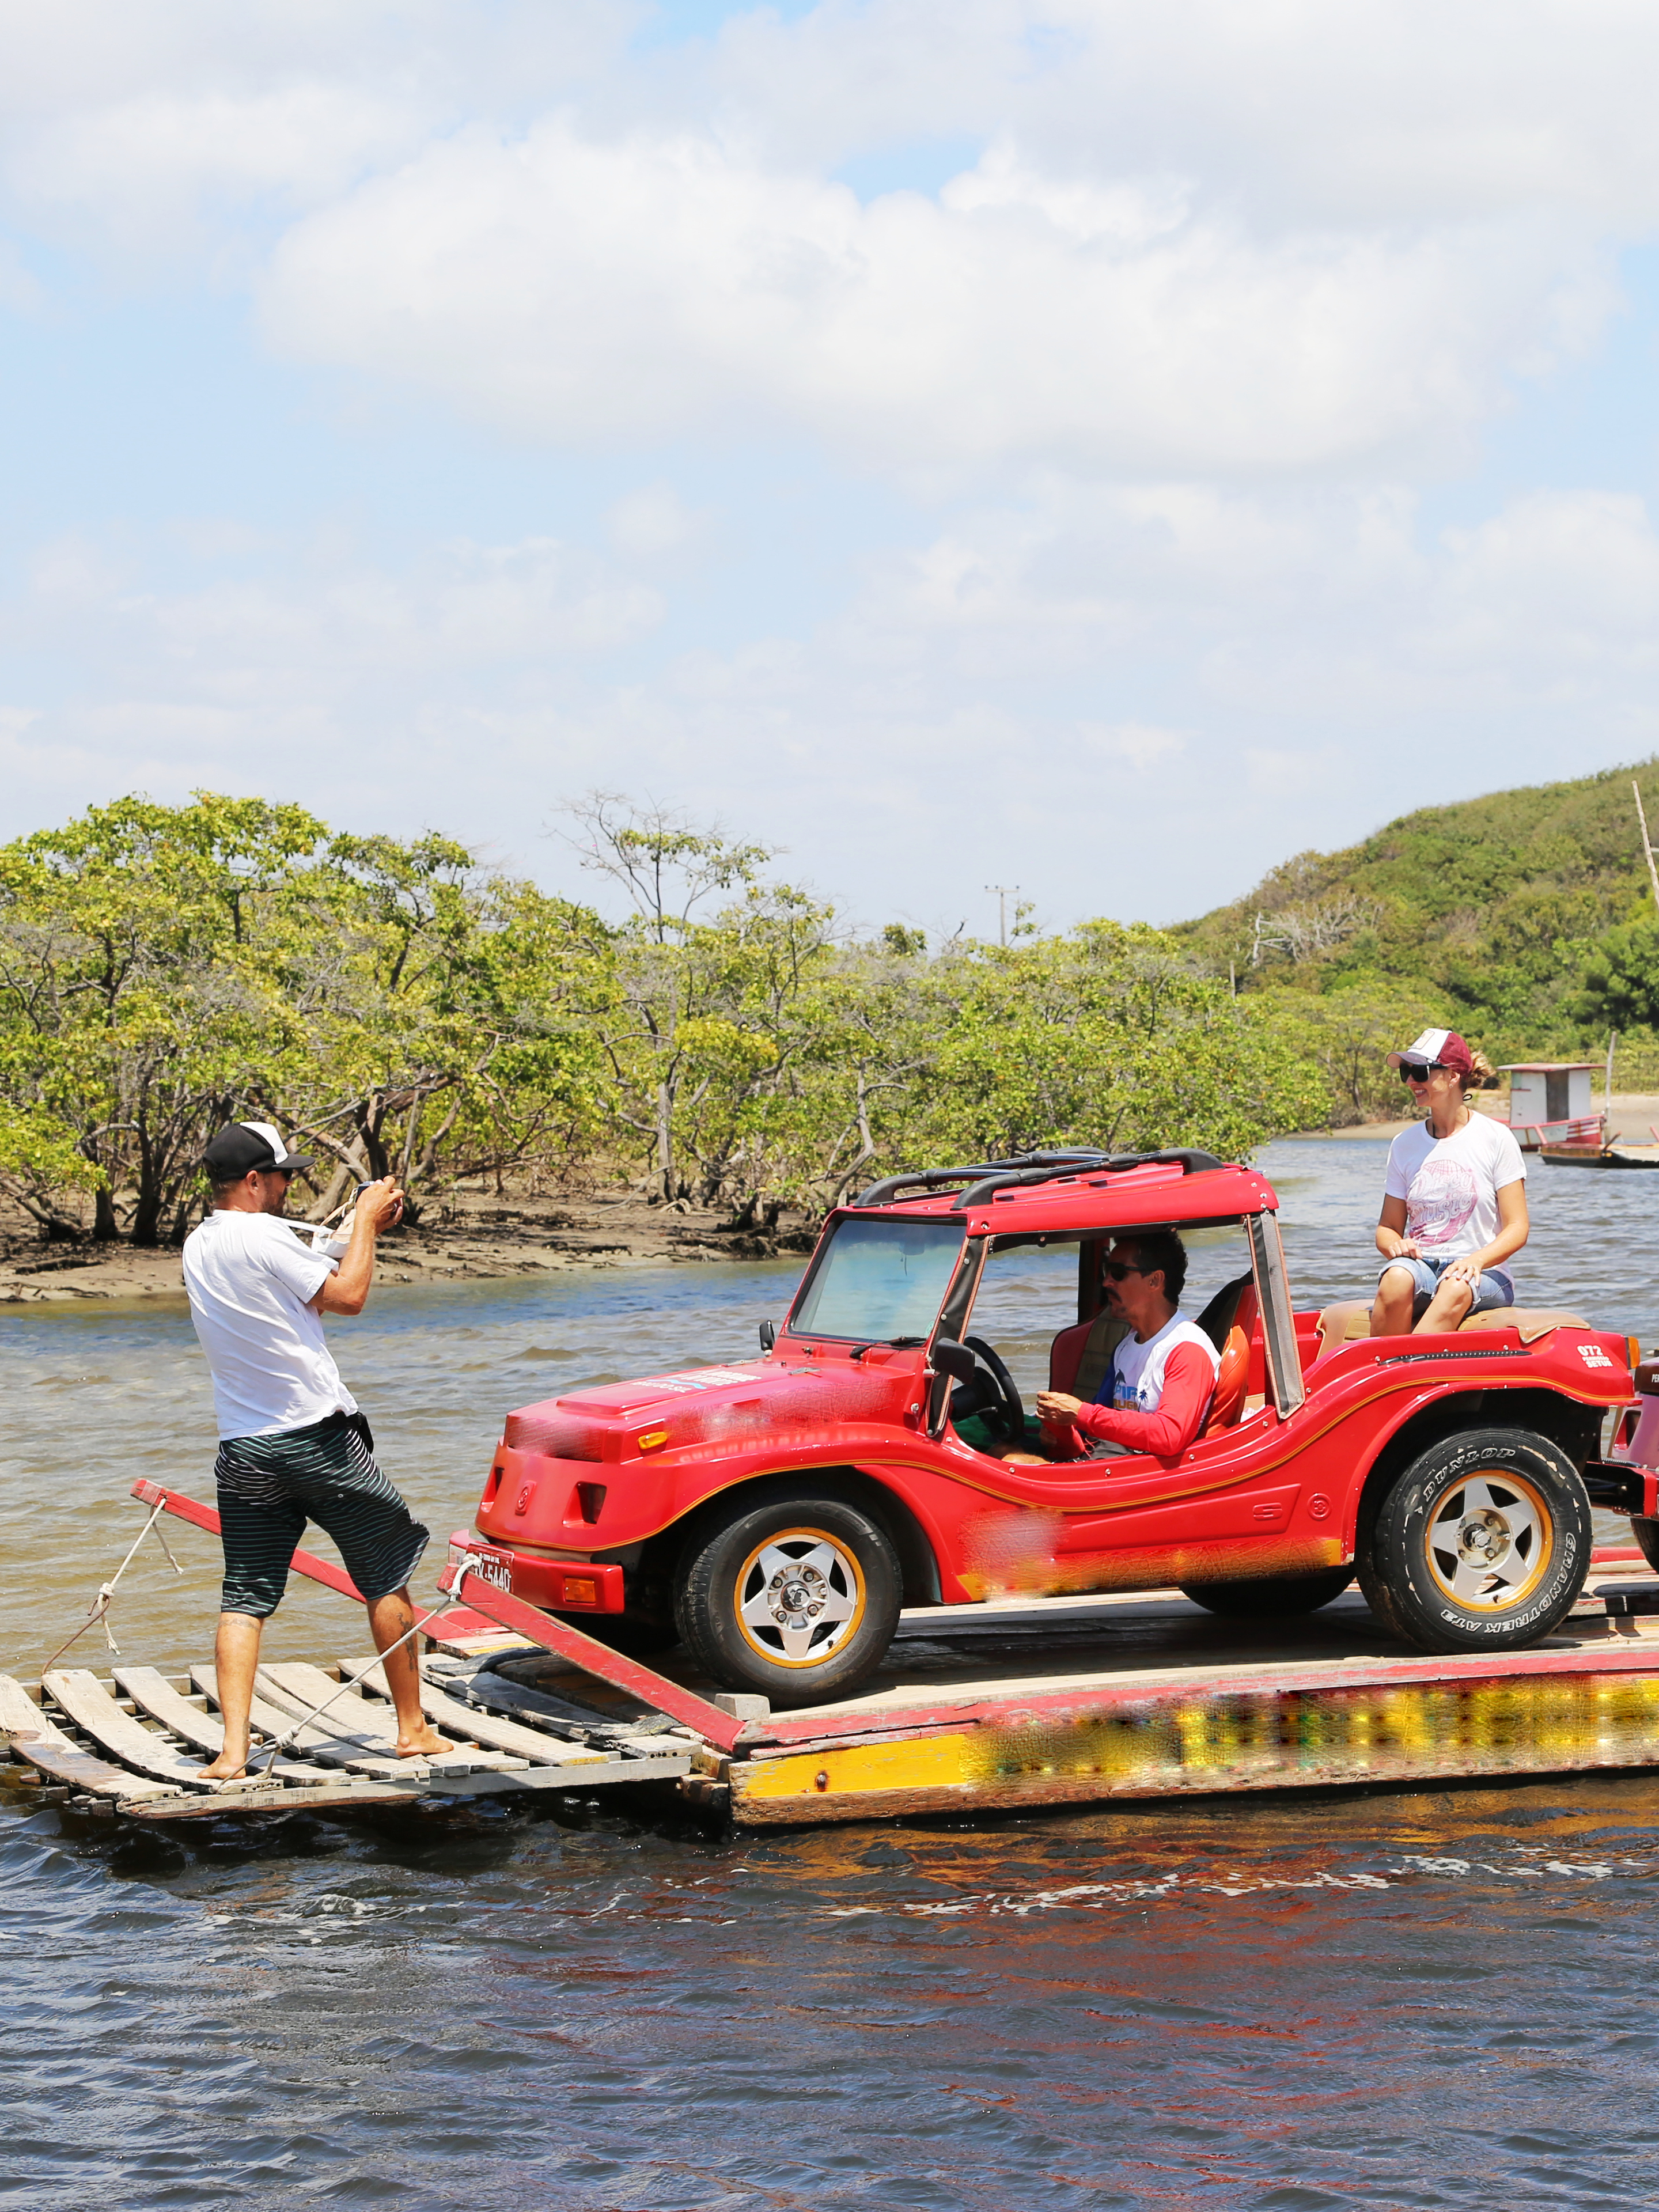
[251,1284]
[1450,1184]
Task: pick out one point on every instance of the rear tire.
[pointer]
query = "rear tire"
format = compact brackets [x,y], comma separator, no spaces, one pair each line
[1646,1534]
[1271,1597]
[1481,1544]
[796,1596]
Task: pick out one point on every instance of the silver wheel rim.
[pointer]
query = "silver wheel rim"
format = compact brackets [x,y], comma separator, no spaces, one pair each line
[1489,1539]
[800,1597]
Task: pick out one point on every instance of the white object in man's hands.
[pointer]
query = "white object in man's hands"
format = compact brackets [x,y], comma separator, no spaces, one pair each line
[330,1241]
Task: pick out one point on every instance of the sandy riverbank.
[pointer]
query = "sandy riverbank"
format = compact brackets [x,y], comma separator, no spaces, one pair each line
[1634,1115]
[465,1237]
[469,1236]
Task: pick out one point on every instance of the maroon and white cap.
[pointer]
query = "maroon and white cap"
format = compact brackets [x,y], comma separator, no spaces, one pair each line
[1436,1049]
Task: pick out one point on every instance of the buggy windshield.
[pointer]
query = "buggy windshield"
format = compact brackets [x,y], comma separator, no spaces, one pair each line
[879,1280]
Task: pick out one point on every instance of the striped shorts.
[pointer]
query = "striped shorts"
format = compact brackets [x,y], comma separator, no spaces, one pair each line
[271,1487]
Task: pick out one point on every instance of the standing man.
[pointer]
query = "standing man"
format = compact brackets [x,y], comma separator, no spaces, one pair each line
[293,1446]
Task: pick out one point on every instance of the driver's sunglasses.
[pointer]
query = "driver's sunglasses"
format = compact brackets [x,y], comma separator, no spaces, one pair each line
[1422,1074]
[1117,1269]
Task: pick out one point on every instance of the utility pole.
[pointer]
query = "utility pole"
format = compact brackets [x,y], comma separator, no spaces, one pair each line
[1647,849]
[1005,891]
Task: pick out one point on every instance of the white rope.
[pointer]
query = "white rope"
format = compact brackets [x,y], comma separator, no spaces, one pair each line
[289,1735]
[100,1605]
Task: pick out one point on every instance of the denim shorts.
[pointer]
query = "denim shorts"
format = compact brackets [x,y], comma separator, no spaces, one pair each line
[1496,1289]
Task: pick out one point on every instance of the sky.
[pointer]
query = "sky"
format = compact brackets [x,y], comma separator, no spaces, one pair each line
[1095,449]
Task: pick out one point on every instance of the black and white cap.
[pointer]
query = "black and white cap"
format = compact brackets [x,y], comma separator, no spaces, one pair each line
[240,1145]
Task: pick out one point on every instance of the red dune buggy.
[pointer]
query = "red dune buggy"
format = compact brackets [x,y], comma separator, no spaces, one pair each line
[776,1513]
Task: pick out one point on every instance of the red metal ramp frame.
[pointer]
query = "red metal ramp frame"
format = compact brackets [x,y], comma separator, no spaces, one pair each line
[459,1582]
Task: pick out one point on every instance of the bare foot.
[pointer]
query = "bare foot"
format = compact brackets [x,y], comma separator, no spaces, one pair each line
[225,1769]
[421,1744]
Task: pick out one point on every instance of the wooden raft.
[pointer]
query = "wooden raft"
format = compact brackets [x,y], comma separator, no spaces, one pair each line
[137,1744]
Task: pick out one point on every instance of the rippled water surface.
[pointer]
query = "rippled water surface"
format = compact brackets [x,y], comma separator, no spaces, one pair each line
[1300,2001]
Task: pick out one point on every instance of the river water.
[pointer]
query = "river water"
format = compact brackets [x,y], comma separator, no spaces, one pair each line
[1444,1999]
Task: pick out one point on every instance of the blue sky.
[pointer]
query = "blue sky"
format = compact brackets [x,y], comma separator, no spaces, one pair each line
[1055,445]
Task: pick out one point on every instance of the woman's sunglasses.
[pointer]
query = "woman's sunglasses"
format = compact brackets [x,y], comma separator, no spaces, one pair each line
[1422,1074]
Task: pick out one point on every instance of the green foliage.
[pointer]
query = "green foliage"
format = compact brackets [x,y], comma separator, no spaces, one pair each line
[1491,912]
[1347,1033]
[164,970]
[1621,978]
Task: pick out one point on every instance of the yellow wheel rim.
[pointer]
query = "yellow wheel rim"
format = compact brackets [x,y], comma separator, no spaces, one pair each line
[1489,1539]
[798,1598]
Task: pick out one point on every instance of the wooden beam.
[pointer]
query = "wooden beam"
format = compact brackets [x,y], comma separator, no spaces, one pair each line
[597,1659]
[205,1517]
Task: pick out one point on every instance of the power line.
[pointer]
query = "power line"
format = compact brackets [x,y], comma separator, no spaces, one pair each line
[1004,893]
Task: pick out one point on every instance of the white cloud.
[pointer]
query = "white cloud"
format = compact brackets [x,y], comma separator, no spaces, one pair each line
[1316,669]
[651,286]
[1161,370]
[1143,745]
[651,522]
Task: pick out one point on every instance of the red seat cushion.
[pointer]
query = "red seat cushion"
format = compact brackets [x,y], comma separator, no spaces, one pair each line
[1227,1403]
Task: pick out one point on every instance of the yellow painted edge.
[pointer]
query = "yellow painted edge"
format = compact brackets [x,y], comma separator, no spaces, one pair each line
[926,1763]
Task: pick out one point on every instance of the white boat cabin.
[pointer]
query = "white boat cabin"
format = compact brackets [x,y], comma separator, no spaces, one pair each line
[1550,1103]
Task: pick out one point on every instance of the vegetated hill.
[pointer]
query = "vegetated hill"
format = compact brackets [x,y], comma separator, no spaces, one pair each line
[1490,908]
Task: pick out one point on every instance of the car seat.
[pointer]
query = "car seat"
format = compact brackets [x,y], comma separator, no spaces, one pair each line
[1079,1355]
[1228,1321]
[1349,1321]
[1227,1404]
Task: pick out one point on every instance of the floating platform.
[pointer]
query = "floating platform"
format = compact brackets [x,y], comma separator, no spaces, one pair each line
[986,1708]
[138,1742]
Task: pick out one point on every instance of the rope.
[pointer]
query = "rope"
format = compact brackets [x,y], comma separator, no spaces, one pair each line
[99,1611]
[290,1735]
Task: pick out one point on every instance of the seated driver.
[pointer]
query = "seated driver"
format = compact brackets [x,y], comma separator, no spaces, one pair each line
[1157,1390]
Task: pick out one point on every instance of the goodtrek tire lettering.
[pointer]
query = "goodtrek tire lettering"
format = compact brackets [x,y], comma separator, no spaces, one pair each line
[1481,1543]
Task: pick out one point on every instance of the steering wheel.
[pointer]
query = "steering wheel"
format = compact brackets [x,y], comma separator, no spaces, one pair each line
[994,1393]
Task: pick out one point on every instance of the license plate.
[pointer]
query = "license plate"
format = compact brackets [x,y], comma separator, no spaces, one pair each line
[494,1568]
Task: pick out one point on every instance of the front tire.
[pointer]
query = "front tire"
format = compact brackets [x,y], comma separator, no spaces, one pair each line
[1271,1597]
[796,1597]
[1481,1544]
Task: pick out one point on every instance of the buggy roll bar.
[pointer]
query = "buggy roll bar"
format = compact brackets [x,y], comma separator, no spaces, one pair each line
[1028,1168]
[879,1194]
[1190,1163]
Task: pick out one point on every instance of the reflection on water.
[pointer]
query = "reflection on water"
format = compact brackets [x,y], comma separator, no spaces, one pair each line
[1278,2002]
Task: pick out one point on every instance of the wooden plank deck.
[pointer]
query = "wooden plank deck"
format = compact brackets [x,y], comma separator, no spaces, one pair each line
[274,1721]
[986,1709]
[366,1723]
[456,1719]
[149,1688]
[80,1694]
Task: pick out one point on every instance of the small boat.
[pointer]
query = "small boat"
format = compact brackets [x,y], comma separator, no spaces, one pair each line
[1552,1110]
[1606,1155]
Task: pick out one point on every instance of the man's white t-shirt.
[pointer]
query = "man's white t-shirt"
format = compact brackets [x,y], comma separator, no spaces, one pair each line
[1450,1184]
[1137,1376]
[251,1284]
